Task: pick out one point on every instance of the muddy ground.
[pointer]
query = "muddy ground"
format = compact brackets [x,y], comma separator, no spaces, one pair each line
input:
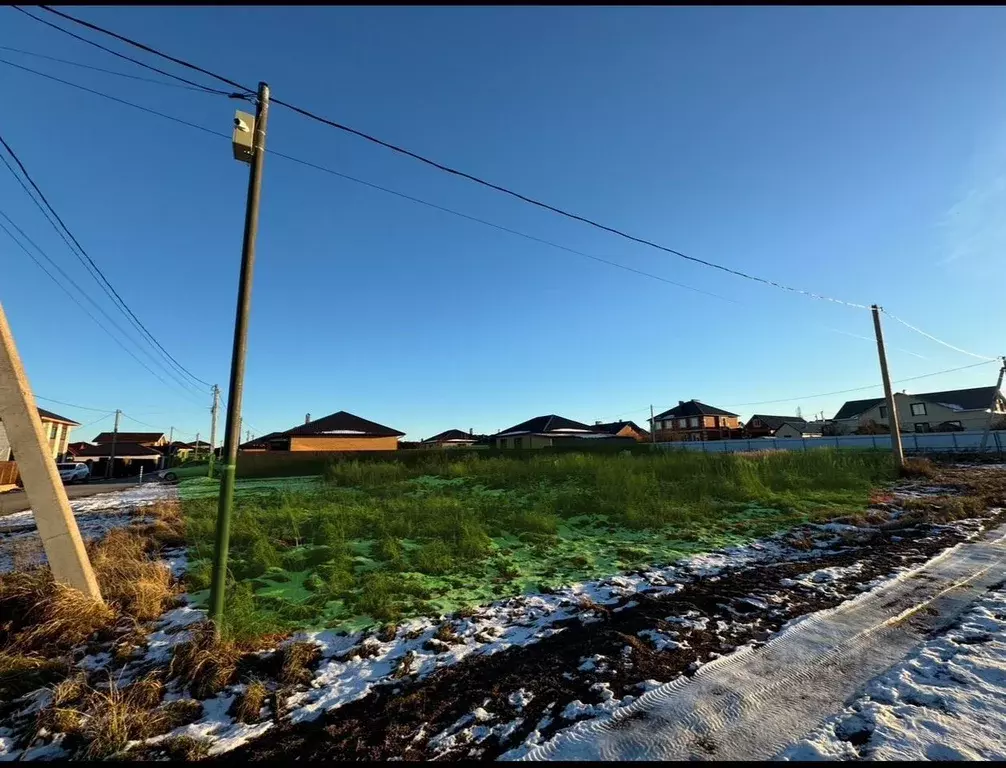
[600,656]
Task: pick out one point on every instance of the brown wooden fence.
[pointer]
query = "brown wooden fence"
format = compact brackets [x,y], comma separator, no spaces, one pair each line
[8,472]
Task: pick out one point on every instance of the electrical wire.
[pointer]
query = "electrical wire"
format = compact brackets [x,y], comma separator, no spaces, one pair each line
[102,69]
[86,311]
[377,187]
[96,421]
[84,293]
[191,84]
[929,336]
[141,423]
[72,405]
[103,282]
[453,171]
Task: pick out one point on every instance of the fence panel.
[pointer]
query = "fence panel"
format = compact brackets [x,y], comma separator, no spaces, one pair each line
[8,472]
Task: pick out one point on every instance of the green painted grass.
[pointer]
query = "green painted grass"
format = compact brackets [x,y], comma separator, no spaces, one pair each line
[373,541]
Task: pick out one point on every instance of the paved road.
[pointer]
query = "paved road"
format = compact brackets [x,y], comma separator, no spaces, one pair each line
[17,501]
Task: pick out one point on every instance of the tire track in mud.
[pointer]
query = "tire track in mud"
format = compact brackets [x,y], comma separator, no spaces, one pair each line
[751,705]
[397,720]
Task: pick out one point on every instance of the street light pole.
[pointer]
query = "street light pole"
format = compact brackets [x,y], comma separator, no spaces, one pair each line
[232,435]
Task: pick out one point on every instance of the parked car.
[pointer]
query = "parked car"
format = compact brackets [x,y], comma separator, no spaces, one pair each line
[180,473]
[74,473]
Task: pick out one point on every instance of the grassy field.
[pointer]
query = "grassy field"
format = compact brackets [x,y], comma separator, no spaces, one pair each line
[375,541]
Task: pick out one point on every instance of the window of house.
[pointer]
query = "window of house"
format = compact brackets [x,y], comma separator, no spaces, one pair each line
[682,423]
[918,409]
[922,426]
[883,411]
[502,442]
[693,421]
[54,431]
[517,442]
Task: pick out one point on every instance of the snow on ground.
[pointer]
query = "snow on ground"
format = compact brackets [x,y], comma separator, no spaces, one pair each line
[947,701]
[96,515]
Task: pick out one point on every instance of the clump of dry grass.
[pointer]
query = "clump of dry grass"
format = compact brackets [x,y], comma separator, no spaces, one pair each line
[249,704]
[205,664]
[20,674]
[187,748]
[944,509]
[60,618]
[129,576]
[918,467]
[297,660]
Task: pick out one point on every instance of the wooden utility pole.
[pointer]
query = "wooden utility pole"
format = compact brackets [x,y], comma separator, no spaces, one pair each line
[213,427]
[892,409]
[992,408]
[55,521]
[110,468]
[252,152]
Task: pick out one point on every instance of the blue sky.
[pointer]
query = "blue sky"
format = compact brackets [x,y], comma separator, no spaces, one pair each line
[855,152]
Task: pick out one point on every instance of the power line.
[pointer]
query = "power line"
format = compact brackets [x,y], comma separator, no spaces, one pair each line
[372,185]
[102,69]
[104,280]
[82,292]
[76,301]
[73,405]
[453,171]
[141,423]
[919,331]
[96,421]
[191,84]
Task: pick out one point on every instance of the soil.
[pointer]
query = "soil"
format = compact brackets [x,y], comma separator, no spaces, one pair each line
[742,606]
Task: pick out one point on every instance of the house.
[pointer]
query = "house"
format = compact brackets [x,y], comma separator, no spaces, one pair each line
[72,449]
[259,443]
[694,420]
[623,429]
[149,439]
[340,431]
[551,431]
[57,435]
[924,412]
[799,428]
[761,425]
[130,458]
[452,438]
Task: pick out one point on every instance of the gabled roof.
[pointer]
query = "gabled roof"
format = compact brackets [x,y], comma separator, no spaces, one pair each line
[50,416]
[774,422]
[550,424]
[122,449]
[975,398]
[199,443]
[71,447]
[693,408]
[456,435]
[129,437]
[614,427]
[343,424]
[259,442]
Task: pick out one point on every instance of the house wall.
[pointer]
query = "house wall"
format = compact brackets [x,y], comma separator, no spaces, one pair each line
[526,441]
[628,431]
[320,443]
[788,430]
[935,414]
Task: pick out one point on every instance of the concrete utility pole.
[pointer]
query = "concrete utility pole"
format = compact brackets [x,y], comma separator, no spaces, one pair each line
[653,427]
[171,436]
[55,522]
[213,427]
[992,407]
[253,153]
[196,456]
[110,468]
[892,410]
[248,436]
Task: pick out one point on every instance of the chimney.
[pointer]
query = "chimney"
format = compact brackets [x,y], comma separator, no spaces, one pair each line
[471,431]
[681,402]
[307,418]
[597,422]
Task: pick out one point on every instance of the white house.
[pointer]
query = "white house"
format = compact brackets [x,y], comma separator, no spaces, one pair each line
[926,412]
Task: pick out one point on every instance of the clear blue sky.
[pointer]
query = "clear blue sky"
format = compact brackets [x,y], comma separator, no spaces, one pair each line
[855,152]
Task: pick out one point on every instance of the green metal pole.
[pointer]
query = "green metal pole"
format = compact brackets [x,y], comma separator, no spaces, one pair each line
[232,436]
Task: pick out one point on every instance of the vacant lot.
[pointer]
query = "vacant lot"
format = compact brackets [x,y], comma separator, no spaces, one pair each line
[376,541]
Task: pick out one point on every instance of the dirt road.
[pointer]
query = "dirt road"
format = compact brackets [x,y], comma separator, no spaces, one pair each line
[17,501]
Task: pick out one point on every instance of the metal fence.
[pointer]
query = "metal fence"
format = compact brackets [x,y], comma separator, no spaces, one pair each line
[913,442]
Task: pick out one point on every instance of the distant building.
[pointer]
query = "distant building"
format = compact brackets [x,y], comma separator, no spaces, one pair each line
[149,439]
[623,429]
[694,420]
[551,431]
[956,408]
[57,435]
[452,438]
[340,431]
[130,457]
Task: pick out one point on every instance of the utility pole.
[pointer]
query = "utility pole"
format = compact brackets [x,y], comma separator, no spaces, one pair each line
[171,436]
[653,427]
[992,407]
[213,427]
[110,468]
[248,436]
[196,457]
[892,410]
[255,155]
[56,524]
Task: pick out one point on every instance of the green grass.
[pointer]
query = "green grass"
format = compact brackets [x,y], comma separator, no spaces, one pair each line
[374,541]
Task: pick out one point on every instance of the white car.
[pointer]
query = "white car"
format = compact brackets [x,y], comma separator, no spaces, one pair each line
[74,473]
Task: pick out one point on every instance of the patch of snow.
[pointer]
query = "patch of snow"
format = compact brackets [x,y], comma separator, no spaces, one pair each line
[660,641]
[520,699]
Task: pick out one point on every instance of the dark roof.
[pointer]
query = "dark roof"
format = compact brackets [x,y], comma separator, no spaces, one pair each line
[129,437]
[547,424]
[260,442]
[774,422]
[614,427]
[121,449]
[342,423]
[77,446]
[975,398]
[452,434]
[50,416]
[693,408]
[194,443]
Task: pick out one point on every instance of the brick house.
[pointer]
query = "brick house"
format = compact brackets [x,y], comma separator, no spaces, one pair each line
[623,429]
[761,425]
[340,431]
[694,420]
[57,434]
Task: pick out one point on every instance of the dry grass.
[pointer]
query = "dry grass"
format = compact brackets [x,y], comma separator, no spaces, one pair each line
[60,619]
[187,748]
[249,705]
[131,577]
[20,674]
[205,664]
[918,467]
[297,660]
